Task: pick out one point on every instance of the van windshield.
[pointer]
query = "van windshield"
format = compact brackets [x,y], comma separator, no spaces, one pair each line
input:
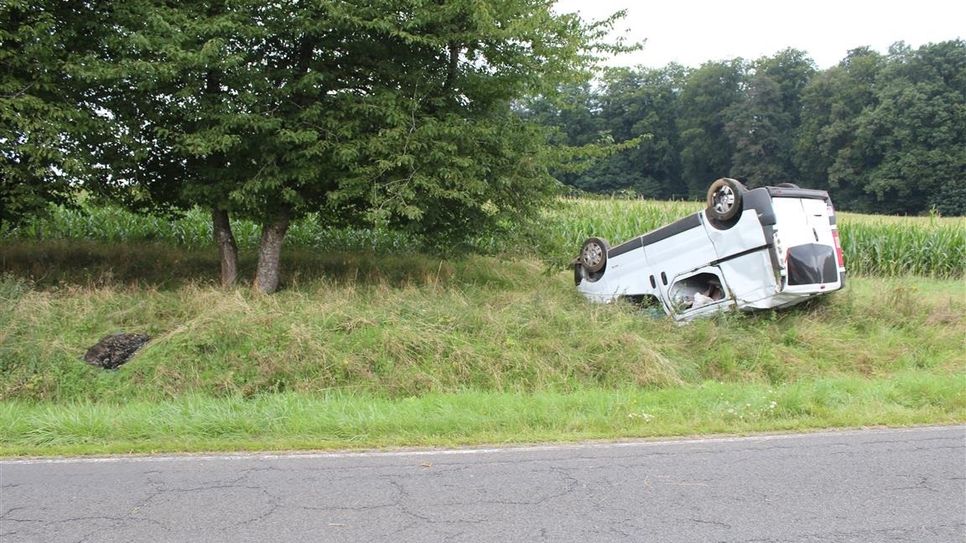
[811,263]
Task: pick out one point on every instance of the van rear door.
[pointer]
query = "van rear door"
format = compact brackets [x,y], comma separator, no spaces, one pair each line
[806,239]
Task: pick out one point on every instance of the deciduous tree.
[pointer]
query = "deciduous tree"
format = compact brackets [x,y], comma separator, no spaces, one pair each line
[41,115]
[831,105]
[762,127]
[390,112]
[910,149]
[706,150]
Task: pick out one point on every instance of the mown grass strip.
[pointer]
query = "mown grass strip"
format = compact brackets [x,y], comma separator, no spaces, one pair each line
[291,421]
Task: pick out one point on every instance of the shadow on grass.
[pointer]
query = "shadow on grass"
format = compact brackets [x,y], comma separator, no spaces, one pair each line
[48,264]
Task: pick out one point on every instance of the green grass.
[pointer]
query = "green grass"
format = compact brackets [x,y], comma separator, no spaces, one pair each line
[386,346]
[411,350]
[400,326]
[290,421]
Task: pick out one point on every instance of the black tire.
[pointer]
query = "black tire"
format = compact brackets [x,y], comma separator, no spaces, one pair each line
[788,186]
[593,254]
[724,199]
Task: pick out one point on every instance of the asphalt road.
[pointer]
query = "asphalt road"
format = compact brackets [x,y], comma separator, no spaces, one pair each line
[876,486]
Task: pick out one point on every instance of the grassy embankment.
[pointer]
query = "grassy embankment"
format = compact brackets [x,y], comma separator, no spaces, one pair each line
[407,349]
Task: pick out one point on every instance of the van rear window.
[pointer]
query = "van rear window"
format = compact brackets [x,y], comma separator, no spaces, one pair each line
[811,263]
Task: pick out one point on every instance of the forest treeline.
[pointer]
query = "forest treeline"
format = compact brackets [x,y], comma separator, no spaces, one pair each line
[884,133]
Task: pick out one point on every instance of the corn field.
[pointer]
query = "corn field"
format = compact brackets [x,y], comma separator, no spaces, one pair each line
[873,245]
[193,230]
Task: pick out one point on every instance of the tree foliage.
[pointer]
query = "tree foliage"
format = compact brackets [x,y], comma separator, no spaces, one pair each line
[443,119]
[884,133]
[636,109]
[762,126]
[41,114]
[831,105]
[393,112]
[912,141]
[708,94]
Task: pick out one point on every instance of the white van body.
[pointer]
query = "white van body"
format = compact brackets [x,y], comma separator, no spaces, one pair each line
[780,249]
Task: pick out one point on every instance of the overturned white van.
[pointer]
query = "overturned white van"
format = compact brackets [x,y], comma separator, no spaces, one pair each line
[761,248]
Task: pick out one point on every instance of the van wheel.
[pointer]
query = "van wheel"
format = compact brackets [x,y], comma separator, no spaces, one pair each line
[787,186]
[593,254]
[724,199]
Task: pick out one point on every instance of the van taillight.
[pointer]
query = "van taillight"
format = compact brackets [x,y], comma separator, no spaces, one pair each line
[838,248]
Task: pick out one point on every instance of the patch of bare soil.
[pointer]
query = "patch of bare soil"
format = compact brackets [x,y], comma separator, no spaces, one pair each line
[115,349]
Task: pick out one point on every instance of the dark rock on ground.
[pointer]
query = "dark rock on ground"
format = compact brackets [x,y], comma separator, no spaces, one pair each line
[114,349]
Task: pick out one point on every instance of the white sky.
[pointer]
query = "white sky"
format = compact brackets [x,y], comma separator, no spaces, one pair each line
[692,32]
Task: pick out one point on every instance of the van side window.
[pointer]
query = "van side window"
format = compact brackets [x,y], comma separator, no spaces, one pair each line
[696,291]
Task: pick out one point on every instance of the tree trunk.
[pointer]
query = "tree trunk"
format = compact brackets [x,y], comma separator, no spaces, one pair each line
[452,65]
[269,250]
[227,248]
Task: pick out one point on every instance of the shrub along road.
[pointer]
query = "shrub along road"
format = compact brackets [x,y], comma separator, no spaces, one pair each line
[873,485]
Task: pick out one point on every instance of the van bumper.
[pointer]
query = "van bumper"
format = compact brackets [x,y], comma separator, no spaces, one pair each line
[792,295]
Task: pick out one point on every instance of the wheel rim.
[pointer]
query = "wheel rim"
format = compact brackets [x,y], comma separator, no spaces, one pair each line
[724,199]
[592,254]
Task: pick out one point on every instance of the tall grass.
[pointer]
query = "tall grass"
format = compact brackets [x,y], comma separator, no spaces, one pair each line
[405,349]
[404,326]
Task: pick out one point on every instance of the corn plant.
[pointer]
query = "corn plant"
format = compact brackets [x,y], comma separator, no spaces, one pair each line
[873,245]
